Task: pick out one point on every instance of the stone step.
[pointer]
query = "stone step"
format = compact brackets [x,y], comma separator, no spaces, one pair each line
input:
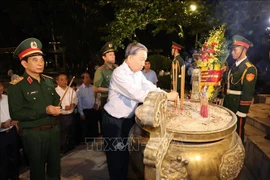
[257,155]
[262,98]
[244,174]
[258,117]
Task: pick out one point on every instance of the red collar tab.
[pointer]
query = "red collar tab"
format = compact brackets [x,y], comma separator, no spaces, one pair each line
[30,80]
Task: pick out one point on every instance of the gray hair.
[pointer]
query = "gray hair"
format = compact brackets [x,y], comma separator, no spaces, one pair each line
[133,48]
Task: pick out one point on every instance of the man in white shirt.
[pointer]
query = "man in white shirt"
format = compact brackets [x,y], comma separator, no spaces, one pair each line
[128,87]
[8,141]
[68,104]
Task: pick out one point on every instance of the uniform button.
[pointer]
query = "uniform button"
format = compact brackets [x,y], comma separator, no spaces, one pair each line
[52,93]
[34,98]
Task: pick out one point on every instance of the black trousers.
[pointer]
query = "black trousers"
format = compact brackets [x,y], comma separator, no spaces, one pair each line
[9,155]
[241,121]
[89,125]
[66,132]
[115,133]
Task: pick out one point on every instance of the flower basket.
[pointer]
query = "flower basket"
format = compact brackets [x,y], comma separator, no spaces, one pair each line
[213,55]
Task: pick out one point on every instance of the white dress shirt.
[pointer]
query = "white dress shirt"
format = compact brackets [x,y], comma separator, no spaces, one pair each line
[126,90]
[239,62]
[70,98]
[4,111]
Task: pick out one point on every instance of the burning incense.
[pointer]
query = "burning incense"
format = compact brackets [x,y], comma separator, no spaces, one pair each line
[183,68]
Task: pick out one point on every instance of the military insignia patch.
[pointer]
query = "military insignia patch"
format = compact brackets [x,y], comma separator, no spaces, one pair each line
[30,80]
[33,44]
[250,77]
[110,45]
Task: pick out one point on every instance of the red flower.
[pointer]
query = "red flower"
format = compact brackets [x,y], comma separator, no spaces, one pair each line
[211,50]
[213,44]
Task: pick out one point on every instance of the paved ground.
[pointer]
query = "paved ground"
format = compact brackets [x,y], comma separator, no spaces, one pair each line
[81,164]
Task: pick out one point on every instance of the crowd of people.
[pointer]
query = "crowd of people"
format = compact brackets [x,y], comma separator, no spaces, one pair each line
[44,117]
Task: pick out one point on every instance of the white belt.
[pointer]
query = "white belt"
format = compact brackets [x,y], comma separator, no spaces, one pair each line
[234,92]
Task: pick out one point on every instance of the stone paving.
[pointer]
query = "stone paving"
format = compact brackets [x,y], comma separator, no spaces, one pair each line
[85,164]
[81,164]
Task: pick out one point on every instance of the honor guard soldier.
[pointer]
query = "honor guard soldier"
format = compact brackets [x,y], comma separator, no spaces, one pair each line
[103,73]
[33,102]
[241,80]
[177,62]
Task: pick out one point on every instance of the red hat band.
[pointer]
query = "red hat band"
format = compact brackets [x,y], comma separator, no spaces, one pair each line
[241,43]
[29,51]
[176,47]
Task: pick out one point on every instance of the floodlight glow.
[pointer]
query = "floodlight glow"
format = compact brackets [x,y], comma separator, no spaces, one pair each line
[193,7]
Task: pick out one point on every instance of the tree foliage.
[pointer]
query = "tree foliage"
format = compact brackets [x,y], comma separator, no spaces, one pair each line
[168,15]
[159,62]
[74,23]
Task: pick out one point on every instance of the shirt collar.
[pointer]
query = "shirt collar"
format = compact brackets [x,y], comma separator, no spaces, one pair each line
[107,67]
[239,62]
[58,87]
[84,86]
[146,71]
[30,79]
[127,68]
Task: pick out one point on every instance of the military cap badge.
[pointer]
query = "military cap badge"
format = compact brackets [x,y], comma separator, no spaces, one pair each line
[108,47]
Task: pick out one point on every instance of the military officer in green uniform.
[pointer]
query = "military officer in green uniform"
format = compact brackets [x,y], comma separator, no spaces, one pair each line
[240,80]
[177,59]
[103,73]
[34,103]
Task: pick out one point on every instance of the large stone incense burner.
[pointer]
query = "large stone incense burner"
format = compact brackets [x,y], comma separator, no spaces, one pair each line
[171,144]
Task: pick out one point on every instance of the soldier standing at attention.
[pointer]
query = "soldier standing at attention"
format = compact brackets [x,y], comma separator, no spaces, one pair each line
[103,73]
[241,80]
[176,54]
[177,59]
[33,102]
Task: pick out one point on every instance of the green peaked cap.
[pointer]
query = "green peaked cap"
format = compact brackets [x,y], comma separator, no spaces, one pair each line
[108,47]
[241,41]
[27,47]
[176,46]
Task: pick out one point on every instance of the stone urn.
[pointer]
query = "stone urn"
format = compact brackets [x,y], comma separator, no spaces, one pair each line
[167,143]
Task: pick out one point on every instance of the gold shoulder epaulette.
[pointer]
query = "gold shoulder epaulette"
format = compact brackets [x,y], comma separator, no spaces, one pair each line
[101,67]
[18,79]
[45,76]
[248,64]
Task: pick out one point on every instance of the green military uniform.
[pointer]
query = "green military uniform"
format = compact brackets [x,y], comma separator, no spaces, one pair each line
[103,73]
[28,100]
[240,82]
[102,79]
[180,61]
